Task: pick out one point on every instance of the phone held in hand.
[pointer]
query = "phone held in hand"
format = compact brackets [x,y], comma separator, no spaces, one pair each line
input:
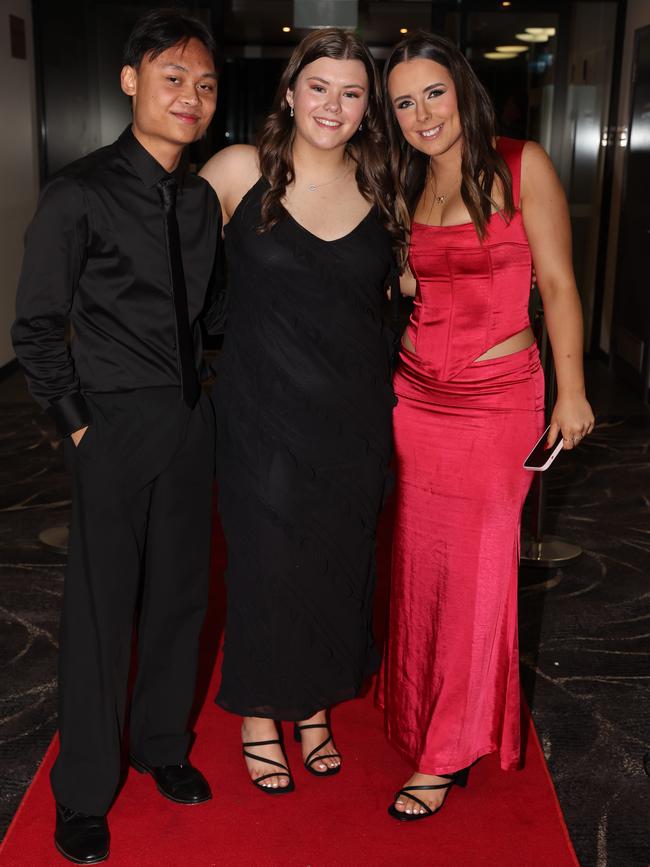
[541,457]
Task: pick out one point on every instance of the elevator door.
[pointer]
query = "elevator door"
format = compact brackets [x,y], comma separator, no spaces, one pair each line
[631,332]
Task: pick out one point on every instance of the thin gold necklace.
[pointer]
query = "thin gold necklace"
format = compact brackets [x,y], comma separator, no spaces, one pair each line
[436,200]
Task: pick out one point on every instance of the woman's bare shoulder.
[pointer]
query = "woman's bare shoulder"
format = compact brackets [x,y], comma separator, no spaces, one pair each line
[231,172]
[536,165]
[239,159]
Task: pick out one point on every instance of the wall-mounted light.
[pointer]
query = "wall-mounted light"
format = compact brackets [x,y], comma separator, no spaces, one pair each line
[506,3]
[512,49]
[499,55]
[286,30]
[403,30]
[532,37]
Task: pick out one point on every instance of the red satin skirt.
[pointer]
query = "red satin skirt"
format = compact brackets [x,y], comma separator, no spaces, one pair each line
[450,675]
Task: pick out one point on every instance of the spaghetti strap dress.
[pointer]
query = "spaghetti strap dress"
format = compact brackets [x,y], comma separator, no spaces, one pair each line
[304,404]
[450,679]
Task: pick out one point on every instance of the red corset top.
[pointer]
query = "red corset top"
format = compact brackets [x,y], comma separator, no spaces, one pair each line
[471,295]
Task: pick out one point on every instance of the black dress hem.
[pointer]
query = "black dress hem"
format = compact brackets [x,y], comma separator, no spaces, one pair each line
[287,715]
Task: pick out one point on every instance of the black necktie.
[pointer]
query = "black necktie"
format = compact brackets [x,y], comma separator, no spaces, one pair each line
[185,344]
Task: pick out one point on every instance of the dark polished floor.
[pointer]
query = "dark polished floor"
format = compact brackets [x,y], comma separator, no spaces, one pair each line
[585,627]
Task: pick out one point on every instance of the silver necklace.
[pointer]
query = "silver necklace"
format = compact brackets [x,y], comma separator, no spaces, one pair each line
[313,187]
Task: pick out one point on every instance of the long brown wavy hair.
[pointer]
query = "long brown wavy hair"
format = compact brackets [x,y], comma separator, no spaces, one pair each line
[367,147]
[481,162]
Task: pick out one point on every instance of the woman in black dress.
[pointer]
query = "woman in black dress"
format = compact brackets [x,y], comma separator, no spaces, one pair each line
[303,401]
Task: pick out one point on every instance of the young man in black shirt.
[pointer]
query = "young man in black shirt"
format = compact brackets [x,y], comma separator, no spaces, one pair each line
[123,245]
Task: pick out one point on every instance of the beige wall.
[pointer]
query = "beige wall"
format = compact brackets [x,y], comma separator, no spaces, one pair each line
[638,15]
[18,162]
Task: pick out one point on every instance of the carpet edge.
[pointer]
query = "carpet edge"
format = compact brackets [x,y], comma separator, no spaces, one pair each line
[23,800]
[549,778]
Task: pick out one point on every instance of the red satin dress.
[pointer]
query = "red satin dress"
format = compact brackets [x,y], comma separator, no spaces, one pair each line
[450,676]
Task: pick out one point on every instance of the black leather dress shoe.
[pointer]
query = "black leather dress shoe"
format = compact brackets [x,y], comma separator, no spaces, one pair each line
[183,784]
[80,838]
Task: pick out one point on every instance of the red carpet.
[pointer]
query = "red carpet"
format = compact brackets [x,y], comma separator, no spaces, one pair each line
[504,819]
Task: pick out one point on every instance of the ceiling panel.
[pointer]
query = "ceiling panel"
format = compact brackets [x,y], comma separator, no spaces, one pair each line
[261,21]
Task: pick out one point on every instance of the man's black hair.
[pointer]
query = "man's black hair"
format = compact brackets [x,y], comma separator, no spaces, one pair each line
[161,29]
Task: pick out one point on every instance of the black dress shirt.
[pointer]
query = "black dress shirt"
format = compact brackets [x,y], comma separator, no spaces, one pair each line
[95,254]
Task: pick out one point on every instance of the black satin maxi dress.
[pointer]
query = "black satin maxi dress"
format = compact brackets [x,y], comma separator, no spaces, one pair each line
[304,402]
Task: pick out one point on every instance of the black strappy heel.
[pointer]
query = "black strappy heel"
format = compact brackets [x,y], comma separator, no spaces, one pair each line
[312,757]
[284,772]
[458,779]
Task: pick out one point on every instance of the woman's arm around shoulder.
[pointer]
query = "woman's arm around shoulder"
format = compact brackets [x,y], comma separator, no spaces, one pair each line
[546,220]
[231,173]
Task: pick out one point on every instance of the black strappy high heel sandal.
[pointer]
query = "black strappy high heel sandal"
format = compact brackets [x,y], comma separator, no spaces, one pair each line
[312,757]
[458,779]
[284,772]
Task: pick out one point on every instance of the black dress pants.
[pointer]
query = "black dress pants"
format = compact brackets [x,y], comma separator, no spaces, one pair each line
[140,531]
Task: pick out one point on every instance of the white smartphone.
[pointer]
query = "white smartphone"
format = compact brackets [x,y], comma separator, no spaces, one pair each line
[541,457]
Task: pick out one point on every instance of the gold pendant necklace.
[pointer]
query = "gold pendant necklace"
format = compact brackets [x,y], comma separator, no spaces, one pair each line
[435,200]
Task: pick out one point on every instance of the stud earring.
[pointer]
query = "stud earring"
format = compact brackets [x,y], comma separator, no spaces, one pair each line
[291,111]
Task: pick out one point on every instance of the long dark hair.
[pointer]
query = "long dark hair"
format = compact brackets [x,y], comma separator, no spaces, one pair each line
[481,162]
[367,147]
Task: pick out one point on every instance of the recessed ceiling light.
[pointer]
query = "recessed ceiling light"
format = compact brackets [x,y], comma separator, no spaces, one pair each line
[506,3]
[499,55]
[403,30]
[532,37]
[286,30]
[541,31]
[512,49]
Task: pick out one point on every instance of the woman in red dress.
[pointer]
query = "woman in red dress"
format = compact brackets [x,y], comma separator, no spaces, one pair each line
[480,211]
